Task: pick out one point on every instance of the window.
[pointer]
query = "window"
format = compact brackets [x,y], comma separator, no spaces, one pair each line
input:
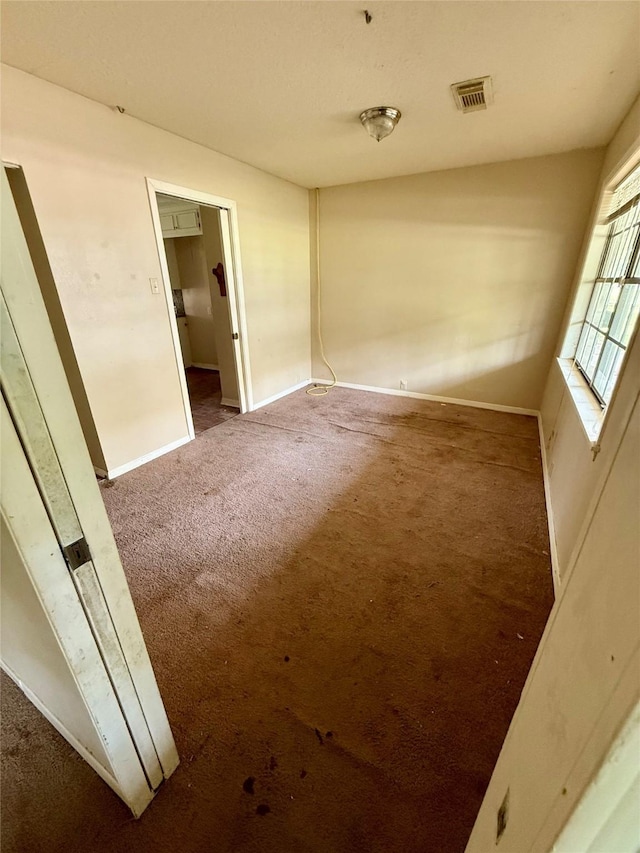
[615,299]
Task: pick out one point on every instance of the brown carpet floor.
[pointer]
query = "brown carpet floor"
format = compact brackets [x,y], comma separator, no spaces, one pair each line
[341,597]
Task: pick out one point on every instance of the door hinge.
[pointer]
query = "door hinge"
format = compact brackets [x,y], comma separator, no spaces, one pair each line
[77,554]
[235,336]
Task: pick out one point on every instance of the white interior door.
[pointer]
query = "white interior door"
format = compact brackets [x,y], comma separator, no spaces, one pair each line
[79,655]
[47,644]
[237,318]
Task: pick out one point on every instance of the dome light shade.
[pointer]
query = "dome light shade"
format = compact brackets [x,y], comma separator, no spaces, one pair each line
[380,121]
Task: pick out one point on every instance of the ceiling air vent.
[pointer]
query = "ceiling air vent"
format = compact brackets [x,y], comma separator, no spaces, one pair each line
[472,95]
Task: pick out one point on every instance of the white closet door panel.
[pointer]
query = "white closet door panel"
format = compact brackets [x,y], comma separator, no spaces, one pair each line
[53,652]
[34,658]
[46,379]
[40,452]
[27,415]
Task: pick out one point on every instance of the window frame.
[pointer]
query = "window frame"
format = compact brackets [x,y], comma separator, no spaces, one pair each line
[617,193]
[625,280]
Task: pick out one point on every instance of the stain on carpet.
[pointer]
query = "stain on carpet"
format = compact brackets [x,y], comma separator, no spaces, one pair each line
[396,550]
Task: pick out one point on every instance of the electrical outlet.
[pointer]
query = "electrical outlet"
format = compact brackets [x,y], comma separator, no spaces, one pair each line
[403,384]
[503,817]
[155,287]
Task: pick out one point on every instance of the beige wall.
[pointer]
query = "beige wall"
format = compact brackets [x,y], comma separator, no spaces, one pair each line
[623,151]
[85,166]
[172,262]
[454,281]
[584,680]
[191,263]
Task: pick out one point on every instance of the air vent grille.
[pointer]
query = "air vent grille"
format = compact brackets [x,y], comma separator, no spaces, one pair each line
[473,99]
[472,95]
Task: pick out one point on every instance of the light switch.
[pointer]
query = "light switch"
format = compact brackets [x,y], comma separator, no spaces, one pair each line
[155,287]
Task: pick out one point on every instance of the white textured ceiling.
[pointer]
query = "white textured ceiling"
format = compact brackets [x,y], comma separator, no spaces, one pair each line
[280,84]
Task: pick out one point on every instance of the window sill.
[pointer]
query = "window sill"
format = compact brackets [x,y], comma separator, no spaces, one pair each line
[589,410]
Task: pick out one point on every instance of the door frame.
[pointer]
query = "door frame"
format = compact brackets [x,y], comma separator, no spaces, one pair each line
[230,240]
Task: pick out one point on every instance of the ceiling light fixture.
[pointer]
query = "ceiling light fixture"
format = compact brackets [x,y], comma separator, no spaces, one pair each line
[380,121]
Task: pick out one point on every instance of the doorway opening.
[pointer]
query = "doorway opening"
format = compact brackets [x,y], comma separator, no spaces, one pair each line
[197,244]
[193,248]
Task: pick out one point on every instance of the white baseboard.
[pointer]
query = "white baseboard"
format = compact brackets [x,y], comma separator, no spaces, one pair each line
[203,366]
[555,568]
[100,472]
[453,401]
[281,394]
[225,401]
[112,473]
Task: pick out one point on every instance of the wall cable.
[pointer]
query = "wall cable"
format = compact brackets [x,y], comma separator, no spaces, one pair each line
[317,390]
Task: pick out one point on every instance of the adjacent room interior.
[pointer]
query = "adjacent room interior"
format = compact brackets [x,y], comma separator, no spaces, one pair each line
[366,428]
[193,249]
